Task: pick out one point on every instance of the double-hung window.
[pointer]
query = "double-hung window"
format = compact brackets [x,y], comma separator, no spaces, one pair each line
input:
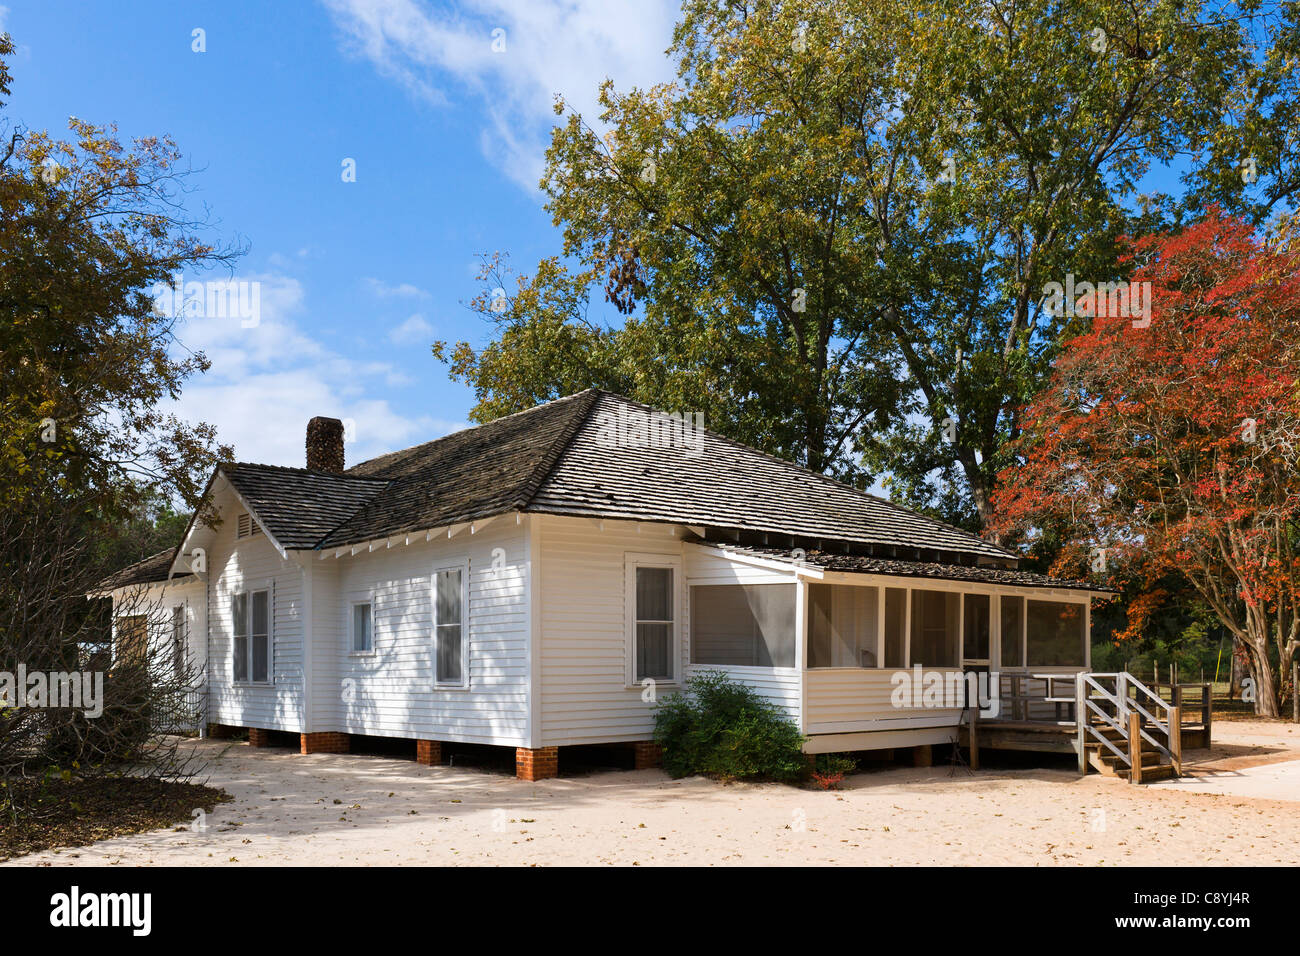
[250,614]
[363,639]
[653,612]
[451,667]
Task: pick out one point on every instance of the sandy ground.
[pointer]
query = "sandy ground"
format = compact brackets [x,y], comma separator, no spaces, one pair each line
[1237,807]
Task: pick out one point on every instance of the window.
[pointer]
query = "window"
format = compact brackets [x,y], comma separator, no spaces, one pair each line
[652,609]
[251,621]
[362,640]
[895,627]
[1013,632]
[732,624]
[1056,634]
[246,527]
[975,631]
[842,626]
[178,640]
[449,626]
[132,639]
[935,628]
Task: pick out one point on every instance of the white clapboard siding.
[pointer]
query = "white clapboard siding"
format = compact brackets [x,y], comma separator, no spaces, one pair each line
[854,699]
[391,693]
[777,685]
[253,563]
[584,685]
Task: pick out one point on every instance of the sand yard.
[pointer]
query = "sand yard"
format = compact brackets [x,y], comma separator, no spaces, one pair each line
[1238,805]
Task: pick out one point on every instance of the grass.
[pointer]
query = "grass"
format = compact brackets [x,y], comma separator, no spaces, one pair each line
[39,815]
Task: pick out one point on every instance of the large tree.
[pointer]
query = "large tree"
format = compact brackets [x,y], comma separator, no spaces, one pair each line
[1174,449]
[88,227]
[833,231]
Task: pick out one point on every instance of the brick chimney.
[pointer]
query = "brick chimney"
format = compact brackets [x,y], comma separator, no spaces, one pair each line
[325,445]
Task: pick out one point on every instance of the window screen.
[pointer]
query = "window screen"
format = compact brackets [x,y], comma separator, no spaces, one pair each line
[746,625]
[842,626]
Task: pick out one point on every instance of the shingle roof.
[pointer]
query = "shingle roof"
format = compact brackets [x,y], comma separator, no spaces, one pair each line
[299,507]
[148,571]
[558,458]
[828,561]
[474,473]
[728,485]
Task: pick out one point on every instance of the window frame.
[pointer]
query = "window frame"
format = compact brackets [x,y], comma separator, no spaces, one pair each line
[632,560]
[351,626]
[179,640]
[249,591]
[462,566]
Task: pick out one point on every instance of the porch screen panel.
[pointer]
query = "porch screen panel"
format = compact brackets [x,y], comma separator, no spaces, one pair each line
[936,619]
[1057,635]
[743,625]
[895,627]
[976,630]
[1013,623]
[842,626]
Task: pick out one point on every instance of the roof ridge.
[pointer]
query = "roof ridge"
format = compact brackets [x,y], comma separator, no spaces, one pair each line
[462,431]
[834,481]
[300,471]
[547,464]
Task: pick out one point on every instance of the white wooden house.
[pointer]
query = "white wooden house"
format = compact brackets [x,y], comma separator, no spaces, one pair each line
[538,581]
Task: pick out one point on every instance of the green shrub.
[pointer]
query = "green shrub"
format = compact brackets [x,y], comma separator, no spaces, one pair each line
[725,730]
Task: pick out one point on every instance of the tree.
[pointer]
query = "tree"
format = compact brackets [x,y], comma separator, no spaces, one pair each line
[834,230]
[1175,448]
[87,228]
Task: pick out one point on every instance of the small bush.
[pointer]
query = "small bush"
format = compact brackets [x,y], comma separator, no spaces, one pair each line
[831,769]
[722,729]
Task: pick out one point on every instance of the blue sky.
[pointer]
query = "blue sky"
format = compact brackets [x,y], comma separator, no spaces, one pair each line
[357,278]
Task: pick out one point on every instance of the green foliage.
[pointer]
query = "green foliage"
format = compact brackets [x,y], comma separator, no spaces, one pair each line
[833,230]
[722,729]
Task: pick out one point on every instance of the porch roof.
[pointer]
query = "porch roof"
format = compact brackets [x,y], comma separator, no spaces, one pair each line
[856,564]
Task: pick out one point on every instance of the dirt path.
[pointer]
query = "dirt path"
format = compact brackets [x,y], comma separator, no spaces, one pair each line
[328,810]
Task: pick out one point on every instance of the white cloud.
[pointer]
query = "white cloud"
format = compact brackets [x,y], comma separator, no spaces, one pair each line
[415,329]
[551,46]
[267,381]
[403,290]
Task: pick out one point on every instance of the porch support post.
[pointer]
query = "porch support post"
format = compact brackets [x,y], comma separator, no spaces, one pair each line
[1081,719]
[1134,747]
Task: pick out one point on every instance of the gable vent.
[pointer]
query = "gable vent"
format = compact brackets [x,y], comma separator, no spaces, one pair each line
[246,527]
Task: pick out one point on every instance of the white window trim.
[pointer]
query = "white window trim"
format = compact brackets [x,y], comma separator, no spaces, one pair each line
[631,561]
[183,607]
[462,566]
[349,626]
[250,590]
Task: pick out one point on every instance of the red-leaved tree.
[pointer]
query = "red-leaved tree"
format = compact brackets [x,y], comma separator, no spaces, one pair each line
[1175,445]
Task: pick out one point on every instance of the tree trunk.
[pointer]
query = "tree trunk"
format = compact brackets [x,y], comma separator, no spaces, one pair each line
[1261,673]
